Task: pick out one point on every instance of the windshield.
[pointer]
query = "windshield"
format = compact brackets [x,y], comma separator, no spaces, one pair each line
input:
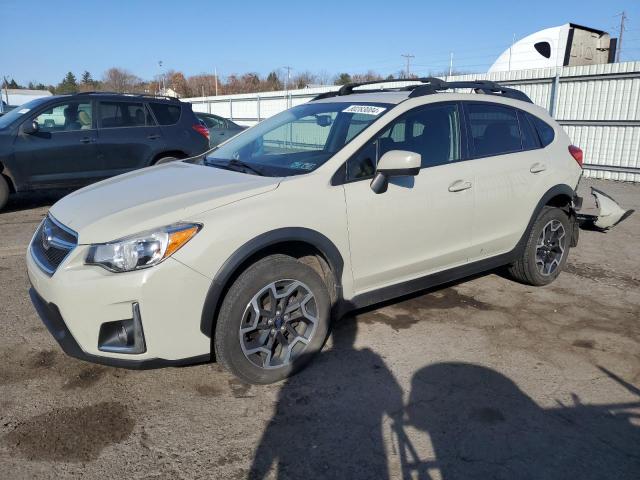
[13,115]
[298,140]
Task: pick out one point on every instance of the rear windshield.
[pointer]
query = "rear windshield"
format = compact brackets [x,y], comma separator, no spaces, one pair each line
[165,113]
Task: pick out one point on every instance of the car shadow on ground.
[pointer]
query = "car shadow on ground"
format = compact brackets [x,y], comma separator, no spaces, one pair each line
[345,417]
[29,200]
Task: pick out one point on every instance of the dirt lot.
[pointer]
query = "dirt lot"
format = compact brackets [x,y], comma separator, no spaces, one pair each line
[482,379]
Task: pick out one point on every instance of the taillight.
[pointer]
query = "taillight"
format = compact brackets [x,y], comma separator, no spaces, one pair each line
[202,130]
[576,153]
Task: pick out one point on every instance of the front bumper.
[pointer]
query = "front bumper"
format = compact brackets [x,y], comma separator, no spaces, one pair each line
[77,299]
[50,316]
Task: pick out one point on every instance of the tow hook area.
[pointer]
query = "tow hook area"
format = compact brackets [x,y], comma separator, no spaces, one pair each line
[608,213]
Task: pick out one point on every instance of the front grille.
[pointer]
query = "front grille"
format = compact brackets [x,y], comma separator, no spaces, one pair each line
[51,244]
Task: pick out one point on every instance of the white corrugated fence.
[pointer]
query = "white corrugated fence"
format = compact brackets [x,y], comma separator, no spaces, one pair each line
[598,106]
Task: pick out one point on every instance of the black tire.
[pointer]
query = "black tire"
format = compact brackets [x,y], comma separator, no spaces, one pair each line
[4,192]
[162,160]
[526,269]
[227,341]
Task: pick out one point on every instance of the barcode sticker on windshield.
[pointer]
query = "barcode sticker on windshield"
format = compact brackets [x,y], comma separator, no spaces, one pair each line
[364,109]
[22,111]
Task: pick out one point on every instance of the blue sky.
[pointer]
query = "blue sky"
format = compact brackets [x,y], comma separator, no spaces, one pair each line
[41,41]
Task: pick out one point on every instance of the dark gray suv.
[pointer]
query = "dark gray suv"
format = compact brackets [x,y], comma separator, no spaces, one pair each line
[72,140]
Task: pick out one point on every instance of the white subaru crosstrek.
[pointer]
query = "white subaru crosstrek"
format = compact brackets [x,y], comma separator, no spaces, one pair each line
[246,253]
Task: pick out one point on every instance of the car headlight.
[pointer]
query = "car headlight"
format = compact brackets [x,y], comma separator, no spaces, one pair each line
[143,250]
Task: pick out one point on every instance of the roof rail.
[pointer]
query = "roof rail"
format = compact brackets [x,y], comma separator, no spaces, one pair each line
[430,86]
[146,95]
[348,88]
[478,86]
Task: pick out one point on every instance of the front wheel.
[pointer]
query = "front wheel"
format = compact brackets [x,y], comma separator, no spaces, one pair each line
[273,320]
[547,248]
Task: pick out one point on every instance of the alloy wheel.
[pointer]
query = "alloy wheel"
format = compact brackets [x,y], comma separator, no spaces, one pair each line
[278,323]
[550,247]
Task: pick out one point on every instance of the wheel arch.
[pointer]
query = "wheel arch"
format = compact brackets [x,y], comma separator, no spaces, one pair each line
[6,175]
[302,243]
[560,195]
[179,154]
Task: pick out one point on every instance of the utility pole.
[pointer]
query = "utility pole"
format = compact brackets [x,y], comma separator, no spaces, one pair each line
[450,64]
[623,17]
[408,57]
[161,76]
[510,48]
[215,74]
[287,80]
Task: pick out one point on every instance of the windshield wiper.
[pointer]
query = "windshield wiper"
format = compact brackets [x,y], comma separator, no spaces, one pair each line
[246,166]
[235,165]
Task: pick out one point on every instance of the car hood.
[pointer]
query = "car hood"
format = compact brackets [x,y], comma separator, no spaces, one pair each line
[153,197]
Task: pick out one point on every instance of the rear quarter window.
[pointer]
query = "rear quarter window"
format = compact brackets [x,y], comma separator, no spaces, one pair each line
[545,131]
[165,113]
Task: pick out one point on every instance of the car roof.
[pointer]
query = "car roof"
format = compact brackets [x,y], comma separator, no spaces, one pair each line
[115,96]
[369,97]
[395,98]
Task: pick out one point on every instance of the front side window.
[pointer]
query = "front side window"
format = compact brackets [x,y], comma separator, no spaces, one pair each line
[298,140]
[432,131]
[66,117]
[494,129]
[124,114]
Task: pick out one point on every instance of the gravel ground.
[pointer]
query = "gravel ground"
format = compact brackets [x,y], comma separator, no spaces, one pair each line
[484,378]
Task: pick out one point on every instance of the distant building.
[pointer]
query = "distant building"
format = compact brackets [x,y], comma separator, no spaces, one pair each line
[18,96]
[169,92]
[566,45]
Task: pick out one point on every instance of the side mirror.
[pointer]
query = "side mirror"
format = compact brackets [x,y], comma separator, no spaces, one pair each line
[30,128]
[324,120]
[395,163]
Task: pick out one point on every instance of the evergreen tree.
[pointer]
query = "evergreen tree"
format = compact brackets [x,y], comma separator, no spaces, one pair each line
[68,84]
[342,79]
[87,79]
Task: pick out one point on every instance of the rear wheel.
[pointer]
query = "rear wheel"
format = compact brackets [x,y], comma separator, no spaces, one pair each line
[547,249]
[4,192]
[273,320]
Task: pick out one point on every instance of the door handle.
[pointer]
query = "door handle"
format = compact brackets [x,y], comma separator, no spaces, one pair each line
[87,140]
[459,185]
[538,167]
[153,137]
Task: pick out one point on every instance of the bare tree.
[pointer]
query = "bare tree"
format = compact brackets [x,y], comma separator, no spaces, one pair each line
[120,80]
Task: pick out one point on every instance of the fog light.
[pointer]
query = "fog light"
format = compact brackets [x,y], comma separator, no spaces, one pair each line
[123,336]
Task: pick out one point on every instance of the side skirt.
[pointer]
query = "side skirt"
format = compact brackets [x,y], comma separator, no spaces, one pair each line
[428,281]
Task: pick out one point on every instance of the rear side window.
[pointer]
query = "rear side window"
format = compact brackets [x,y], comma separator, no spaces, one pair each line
[494,129]
[165,113]
[545,131]
[124,114]
[529,134]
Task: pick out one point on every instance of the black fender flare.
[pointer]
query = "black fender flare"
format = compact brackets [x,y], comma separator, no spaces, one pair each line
[262,241]
[560,189]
